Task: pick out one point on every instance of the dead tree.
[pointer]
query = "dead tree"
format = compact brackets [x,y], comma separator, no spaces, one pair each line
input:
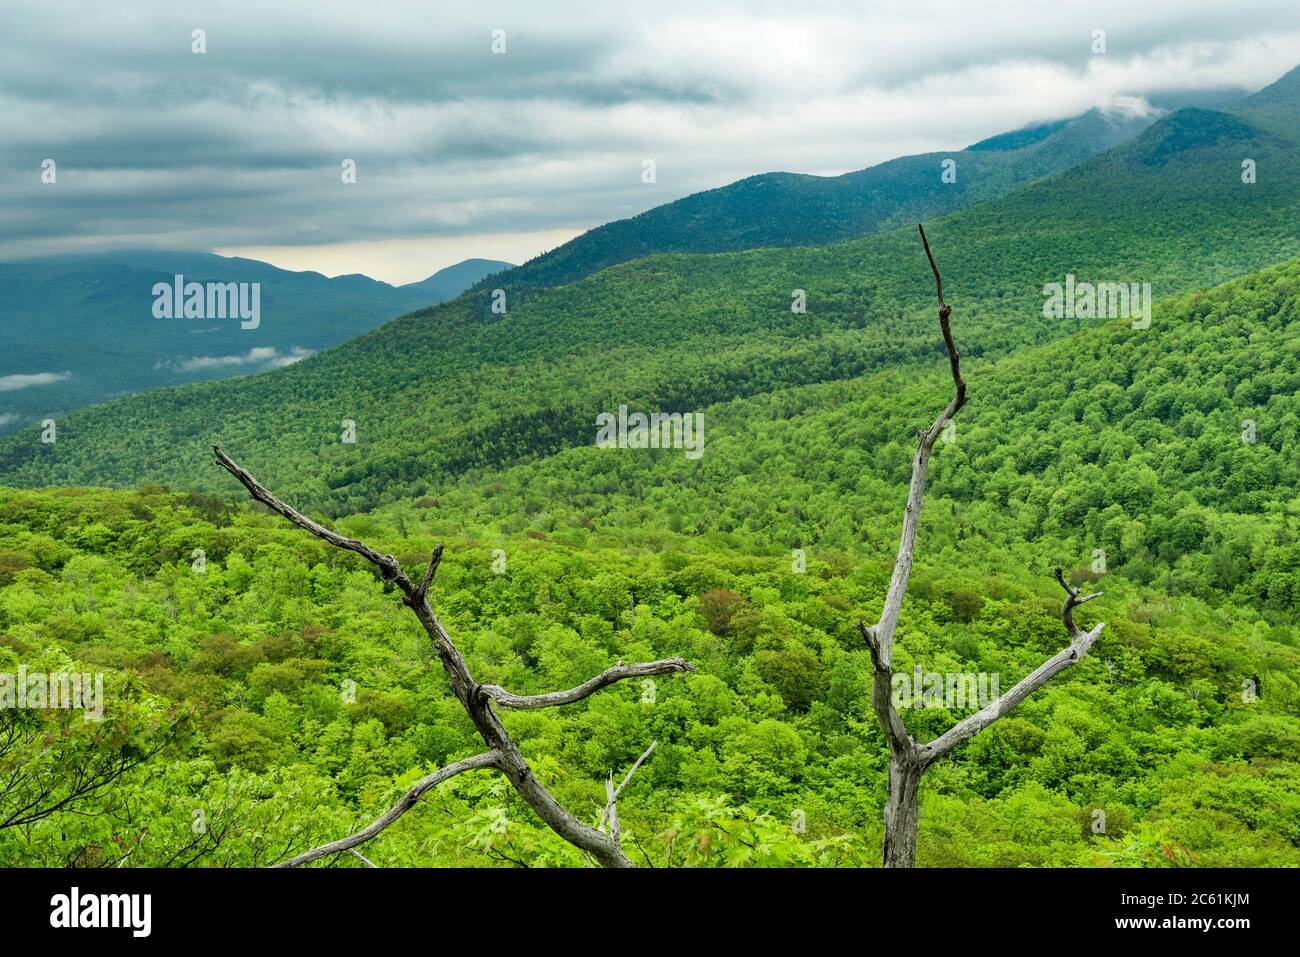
[502,754]
[908,758]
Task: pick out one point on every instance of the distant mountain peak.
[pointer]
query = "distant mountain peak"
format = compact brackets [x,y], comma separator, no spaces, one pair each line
[792,209]
[1285,89]
[107,336]
[460,275]
[1185,130]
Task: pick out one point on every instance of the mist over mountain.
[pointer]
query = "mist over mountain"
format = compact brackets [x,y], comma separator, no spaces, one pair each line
[85,325]
[108,344]
[791,209]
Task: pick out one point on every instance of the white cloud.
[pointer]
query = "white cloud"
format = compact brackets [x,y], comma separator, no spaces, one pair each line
[262,357]
[1129,107]
[12,383]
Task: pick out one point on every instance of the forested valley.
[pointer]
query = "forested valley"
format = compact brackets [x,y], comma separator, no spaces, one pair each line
[269,693]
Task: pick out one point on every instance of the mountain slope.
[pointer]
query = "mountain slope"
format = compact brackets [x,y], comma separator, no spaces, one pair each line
[1274,106]
[84,325]
[1175,449]
[755,563]
[458,388]
[790,209]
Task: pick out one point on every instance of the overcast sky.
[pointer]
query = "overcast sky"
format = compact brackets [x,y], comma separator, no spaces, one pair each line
[463,152]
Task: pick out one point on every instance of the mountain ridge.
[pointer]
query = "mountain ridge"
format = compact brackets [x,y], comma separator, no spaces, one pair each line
[89,319]
[781,209]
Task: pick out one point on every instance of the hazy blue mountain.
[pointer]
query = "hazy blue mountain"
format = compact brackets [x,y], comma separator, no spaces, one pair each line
[75,330]
[451,282]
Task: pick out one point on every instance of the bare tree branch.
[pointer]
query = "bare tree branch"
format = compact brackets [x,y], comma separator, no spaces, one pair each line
[386,563]
[488,759]
[476,702]
[611,811]
[636,764]
[361,857]
[1080,642]
[916,491]
[422,590]
[607,677]
[1072,601]
[908,760]
[611,796]
[882,701]
[944,312]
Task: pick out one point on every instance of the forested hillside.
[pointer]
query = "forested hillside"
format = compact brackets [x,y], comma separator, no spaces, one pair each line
[270,692]
[461,387]
[293,699]
[791,209]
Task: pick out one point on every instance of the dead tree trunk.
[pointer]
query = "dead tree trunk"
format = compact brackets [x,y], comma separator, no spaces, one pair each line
[909,759]
[901,808]
[477,700]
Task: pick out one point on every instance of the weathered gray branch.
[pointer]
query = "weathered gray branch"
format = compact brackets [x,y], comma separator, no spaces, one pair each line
[1072,601]
[611,811]
[908,760]
[611,796]
[882,700]
[435,560]
[920,467]
[386,563]
[472,696]
[607,677]
[488,759]
[1080,643]
[905,767]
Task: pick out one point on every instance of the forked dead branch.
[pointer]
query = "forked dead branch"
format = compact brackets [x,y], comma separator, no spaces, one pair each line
[909,759]
[502,753]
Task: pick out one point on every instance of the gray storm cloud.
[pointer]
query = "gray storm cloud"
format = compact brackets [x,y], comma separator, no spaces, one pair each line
[241,146]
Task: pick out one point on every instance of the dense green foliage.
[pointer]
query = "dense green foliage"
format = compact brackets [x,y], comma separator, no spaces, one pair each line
[271,689]
[1081,444]
[773,732]
[1176,449]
